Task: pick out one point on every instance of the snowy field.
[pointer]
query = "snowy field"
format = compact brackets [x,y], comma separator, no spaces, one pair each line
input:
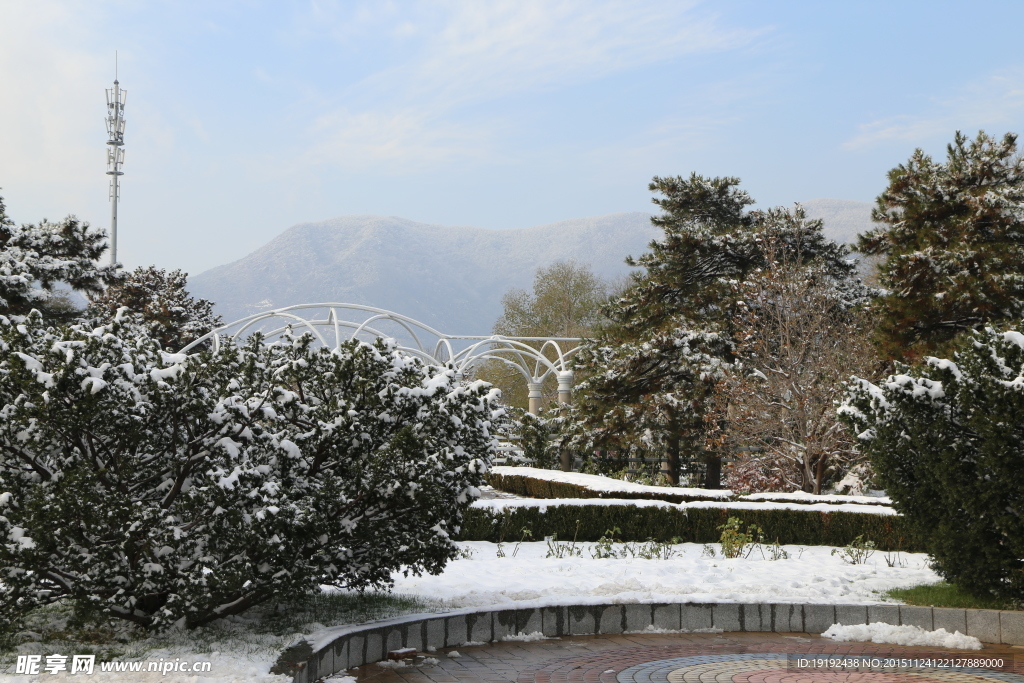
[529,579]
[811,574]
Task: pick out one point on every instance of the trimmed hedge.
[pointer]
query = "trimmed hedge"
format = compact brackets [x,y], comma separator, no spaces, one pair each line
[698,525]
[523,485]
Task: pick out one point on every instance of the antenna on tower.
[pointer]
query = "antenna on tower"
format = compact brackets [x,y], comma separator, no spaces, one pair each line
[115,153]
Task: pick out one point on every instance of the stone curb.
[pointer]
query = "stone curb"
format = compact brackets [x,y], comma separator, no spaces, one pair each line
[344,647]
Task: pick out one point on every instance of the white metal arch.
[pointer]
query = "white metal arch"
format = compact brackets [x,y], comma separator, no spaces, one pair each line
[342,322]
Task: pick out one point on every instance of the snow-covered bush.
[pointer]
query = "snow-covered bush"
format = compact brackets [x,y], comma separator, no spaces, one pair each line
[170,488]
[35,259]
[536,437]
[173,316]
[947,443]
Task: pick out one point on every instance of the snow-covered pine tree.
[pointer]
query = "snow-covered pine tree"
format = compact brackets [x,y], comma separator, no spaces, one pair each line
[710,243]
[650,396]
[952,242]
[651,372]
[173,316]
[170,488]
[34,259]
[946,439]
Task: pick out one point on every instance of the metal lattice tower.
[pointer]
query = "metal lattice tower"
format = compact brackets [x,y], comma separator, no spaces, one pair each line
[115,155]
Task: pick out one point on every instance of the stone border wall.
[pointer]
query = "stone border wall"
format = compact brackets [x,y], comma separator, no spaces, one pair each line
[342,648]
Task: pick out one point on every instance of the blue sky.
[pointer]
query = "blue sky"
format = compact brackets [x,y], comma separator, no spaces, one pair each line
[247,117]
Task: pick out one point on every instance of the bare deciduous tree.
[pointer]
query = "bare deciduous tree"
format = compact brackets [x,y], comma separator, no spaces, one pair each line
[799,338]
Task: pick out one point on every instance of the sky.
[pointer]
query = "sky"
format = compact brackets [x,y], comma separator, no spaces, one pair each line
[247,117]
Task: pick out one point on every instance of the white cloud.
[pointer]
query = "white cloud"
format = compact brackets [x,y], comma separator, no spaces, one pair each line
[406,140]
[478,53]
[496,48]
[997,100]
[47,76]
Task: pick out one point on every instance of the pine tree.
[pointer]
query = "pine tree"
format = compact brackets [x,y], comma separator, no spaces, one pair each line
[710,244]
[173,316]
[953,245]
[946,439]
[648,396]
[652,371]
[35,259]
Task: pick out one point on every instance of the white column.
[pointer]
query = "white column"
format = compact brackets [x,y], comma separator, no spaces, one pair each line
[535,396]
[565,380]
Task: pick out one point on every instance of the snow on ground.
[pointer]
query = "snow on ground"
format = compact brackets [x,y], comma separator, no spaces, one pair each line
[901,635]
[602,484]
[526,578]
[491,493]
[811,574]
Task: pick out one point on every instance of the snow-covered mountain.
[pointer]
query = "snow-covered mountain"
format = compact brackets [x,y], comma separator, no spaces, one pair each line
[844,219]
[451,278]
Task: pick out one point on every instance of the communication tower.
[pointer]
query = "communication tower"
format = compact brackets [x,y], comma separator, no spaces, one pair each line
[115,154]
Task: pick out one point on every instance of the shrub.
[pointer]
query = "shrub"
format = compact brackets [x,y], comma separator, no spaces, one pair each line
[857,552]
[947,442]
[690,525]
[170,488]
[535,438]
[734,541]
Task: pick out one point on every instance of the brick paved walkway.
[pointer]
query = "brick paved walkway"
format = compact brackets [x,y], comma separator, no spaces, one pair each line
[685,658]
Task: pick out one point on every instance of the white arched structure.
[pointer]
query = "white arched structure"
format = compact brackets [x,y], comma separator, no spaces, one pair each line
[334,323]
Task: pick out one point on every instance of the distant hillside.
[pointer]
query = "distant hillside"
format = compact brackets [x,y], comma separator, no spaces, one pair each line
[451,278]
[844,219]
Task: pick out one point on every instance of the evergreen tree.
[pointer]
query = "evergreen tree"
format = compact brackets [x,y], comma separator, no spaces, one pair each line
[652,371]
[711,243]
[647,396]
[172,488]
[953,245]
[173,316]
[34,259]
[946,439]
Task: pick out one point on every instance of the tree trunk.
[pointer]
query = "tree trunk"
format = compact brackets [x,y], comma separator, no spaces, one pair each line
[672,459]
[819,473]
[713,478]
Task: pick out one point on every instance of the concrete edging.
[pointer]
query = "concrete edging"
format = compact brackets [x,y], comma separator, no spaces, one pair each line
[344,647]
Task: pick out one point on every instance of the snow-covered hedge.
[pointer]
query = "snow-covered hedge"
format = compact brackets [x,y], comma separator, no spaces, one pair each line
[694,522]
[947,441]
[170,488]
[541,483]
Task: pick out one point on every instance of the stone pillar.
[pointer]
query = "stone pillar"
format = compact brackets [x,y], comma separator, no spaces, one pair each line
[535,396]
[565,387]
[565,398]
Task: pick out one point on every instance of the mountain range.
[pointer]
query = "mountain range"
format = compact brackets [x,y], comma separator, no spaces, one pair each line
[449,277]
